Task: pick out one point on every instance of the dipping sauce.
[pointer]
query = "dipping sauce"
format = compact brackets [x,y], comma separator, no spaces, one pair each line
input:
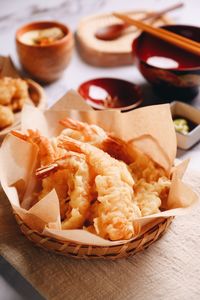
[183,125]
[42,37]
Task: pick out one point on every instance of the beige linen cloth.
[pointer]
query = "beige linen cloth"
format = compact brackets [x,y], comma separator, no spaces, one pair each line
[168,269]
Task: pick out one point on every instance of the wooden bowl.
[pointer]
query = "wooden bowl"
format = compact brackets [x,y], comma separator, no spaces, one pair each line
[174,73]
[46,63]
[38,98]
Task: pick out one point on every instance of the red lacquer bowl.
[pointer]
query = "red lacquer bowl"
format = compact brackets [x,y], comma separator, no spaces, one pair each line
[111,93]
[174,73]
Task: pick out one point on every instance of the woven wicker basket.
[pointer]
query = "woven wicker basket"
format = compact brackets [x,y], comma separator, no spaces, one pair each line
[76,250]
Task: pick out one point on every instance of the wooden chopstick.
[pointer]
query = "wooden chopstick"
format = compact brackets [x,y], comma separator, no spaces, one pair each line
[158,14]
[168,36]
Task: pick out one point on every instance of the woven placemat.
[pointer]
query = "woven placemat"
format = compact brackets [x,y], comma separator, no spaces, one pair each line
[169,269]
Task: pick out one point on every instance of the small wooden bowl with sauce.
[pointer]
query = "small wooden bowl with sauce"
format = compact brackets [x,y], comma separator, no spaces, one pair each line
[44,57]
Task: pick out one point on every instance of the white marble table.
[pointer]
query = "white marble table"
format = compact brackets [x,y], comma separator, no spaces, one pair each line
[13,14]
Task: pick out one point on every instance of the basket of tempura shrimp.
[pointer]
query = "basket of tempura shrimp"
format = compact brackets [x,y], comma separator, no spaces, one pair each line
[91,184]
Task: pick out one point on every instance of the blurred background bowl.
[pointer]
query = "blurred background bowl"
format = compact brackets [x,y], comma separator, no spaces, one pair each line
[45,63]
[173,72]
[38,98]
[111,93]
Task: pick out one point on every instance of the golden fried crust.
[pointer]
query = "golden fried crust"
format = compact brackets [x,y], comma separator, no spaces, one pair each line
[6,116]
[7,90]
[13,94]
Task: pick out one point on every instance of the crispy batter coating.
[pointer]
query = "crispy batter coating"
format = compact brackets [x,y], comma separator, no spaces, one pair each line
[150,196]
[48,153]
[71,178]
[96,136]
[21,94]
[7,90]
[114,185]
[144,168]
[6,116]
[13,94]
[83,132]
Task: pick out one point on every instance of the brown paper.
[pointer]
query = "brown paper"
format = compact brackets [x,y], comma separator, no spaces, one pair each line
[18,162]
[74,101]
[7,67]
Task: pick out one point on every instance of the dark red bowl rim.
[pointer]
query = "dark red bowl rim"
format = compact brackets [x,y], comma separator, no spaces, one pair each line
[168,69]
[136,88]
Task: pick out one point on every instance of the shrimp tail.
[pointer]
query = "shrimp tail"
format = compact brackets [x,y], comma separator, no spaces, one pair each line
[45,171]
[69,123]
[19,135]
[118,149]
[26,137]
[59,163]
[70,144]
[87,130]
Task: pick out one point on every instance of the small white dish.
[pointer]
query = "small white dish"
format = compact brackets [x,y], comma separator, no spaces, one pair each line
[186,141]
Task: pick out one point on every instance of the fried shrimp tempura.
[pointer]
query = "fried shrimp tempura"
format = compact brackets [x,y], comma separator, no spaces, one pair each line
[48,152]
[7,90]
[66,172]
[6,116]
[21,94]
[101,161]
[144,168]
[141,165]
[13,94]
[103,185]
[78,180]
[97,137]
[83,132]
[150,196]
[114,185]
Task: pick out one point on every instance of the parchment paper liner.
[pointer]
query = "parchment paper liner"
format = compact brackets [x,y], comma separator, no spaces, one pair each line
[150,129]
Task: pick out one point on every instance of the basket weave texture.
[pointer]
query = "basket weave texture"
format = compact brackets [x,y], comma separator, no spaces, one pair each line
[76,250]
